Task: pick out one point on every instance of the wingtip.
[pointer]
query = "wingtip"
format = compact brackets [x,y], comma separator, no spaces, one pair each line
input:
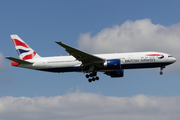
[58,42]
[7,57]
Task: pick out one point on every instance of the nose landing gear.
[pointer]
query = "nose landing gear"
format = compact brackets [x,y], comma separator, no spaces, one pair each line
[161,68]
[93,76]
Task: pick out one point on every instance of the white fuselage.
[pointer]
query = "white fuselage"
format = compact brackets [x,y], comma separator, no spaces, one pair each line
[127,61]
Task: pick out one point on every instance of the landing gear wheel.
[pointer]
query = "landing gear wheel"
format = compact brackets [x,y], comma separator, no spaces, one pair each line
[87,76]
[89,80]
[92,76]
[97,78]
[161,68]
[161,73]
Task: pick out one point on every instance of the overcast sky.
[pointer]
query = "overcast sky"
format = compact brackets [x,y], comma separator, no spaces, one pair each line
[103,26]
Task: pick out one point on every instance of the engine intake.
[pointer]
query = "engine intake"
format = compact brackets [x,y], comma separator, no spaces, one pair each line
[113,64]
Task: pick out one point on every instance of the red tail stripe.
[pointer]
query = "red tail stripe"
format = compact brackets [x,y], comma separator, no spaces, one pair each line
[19,43]
[29,56]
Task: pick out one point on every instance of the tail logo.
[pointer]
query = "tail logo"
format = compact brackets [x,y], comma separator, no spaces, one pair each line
[24,51]
[19,43]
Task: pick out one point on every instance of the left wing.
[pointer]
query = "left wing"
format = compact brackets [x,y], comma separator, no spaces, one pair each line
[85,58]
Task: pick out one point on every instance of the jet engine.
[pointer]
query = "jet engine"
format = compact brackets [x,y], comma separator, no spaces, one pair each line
[113,64]
[118,73]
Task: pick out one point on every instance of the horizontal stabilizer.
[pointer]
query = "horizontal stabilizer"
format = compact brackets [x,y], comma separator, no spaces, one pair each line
[18,60]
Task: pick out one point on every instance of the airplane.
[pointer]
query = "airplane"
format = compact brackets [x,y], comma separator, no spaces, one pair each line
[112,65]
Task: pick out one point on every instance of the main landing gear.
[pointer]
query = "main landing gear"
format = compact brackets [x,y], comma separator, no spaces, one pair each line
[93,76]
[161,68]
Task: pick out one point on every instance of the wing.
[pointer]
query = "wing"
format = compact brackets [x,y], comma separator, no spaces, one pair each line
[85,58]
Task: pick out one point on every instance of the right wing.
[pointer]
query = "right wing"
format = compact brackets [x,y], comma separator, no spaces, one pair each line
[18,60]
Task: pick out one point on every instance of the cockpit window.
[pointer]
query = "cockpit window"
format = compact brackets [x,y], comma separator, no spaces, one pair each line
[170,56]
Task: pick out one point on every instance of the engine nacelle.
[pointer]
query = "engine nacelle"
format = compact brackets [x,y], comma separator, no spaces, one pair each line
[118,73]
[113,64]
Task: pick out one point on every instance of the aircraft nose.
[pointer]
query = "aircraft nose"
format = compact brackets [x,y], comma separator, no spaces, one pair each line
[173,60]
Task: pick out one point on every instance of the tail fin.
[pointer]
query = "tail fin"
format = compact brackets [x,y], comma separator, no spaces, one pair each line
[24,51]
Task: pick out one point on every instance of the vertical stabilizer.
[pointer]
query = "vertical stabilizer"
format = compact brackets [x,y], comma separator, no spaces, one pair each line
[24,51]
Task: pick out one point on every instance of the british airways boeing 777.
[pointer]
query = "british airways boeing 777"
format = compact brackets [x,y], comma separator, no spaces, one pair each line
[79,61]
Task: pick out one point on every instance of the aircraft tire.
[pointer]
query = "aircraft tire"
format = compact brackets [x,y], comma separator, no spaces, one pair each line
[90,80]
[97,78]
[87,76]
[161,73]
